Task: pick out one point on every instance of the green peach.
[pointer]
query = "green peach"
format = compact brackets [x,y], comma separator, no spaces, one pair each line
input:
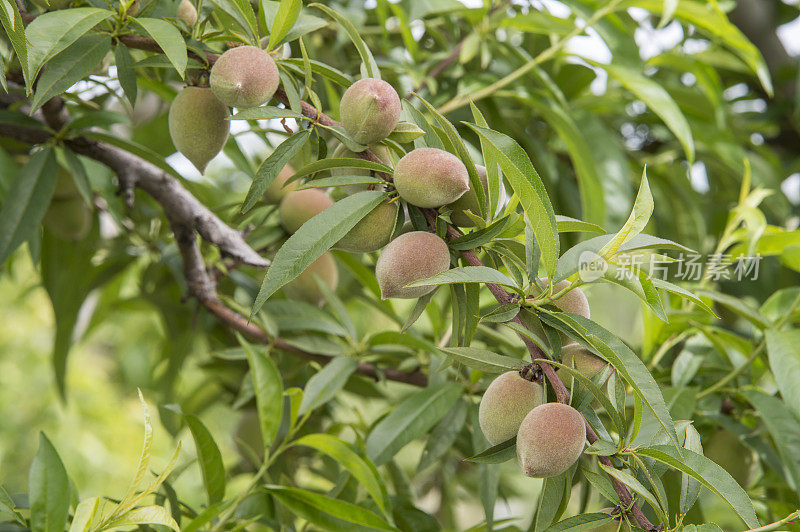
[198,125]
[429,177]
[278,189]
[584,361]
[245,76]
[373,232]
[298,207]
[504,405]
[411,257]
[550,439]
[573,301]
[370,109]
[187,13]
[304,287]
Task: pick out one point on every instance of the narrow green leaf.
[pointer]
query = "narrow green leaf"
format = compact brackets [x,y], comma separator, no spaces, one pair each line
[242,12]
[640,215]
[272,165]
[315,237]
[50,33]
[84,513]
[633,484]
[577,523]
[268,390]
[413,417]
[328,513]
[530,190]
[784,361]
[207,515]
[169,39]
[363,471]
[48,489]
[26,202]
[287,14]
[443,435]
[70,66]
[708,473]
[210,459]
[146,515]
[15,30]
[125,72]
[483,360]
[469,274]
[267,113]
[326,383]
[570,225]
[784,429]
[496,454]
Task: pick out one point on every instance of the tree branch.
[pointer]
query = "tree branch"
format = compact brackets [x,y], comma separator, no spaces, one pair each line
[187,217]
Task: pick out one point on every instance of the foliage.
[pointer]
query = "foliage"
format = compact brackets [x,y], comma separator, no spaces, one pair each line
[358,413]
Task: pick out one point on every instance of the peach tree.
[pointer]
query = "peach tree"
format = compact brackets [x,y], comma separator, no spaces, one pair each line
[421,250]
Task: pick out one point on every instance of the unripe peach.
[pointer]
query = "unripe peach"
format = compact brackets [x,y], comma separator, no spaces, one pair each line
[370,109]
[504,405]
[469,202]
[411,257]
[298,207]
[198,125]
[245,76]
[305,288]
[585,362]
[429,177]
[373,231]
[278,189]
[550,439]
[187,13]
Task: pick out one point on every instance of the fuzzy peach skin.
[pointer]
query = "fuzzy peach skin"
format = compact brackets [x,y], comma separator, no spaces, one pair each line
[373,231]
[298,207]
[305,288]
[369,109]
[278,189]
[504,405]
[430,177]
[198,125]
[411,257]
[550,439]
[245,76]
